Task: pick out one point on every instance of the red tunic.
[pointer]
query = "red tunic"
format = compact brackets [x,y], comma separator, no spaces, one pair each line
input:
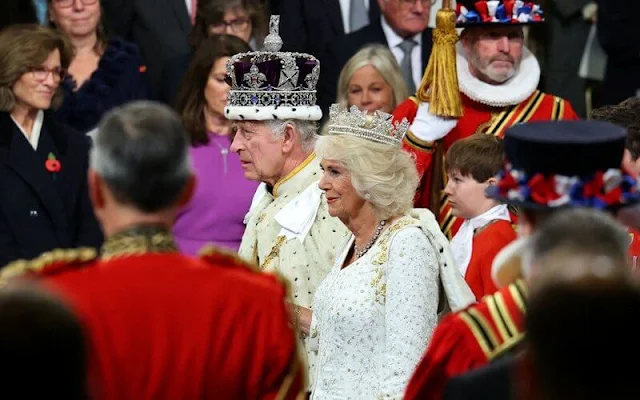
[486,244]
[477,118]
[469,339]
[168,326]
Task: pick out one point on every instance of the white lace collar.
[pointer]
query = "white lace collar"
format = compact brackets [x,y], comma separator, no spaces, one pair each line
[516,90]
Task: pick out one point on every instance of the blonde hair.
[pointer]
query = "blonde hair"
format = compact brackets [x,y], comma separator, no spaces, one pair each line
[384,175]
[26,46]
[381,58]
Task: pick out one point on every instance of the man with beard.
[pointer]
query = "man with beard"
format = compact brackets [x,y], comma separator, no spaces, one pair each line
[498,79]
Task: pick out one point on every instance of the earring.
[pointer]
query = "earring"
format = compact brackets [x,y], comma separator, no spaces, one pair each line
[367,196]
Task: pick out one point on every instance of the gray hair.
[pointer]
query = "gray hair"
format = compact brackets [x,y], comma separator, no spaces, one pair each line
[141,151]
[587,233]
[308,131]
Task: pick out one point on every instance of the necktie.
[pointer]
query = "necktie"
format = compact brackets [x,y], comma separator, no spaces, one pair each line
[194,7]
[407,70]
[358,16]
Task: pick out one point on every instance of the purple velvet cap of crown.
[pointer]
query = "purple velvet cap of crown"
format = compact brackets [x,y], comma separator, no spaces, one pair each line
[271,69]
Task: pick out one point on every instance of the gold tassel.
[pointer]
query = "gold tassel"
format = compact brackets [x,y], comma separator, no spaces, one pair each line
[439,86]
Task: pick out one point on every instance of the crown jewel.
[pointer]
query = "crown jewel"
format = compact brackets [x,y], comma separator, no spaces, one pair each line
[272,84]
[377,127]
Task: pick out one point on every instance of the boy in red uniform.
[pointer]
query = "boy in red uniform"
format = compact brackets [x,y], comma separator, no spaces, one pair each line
[161,325]
[472,165]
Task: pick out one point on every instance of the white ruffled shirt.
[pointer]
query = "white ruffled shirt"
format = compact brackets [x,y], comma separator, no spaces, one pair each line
[462,242]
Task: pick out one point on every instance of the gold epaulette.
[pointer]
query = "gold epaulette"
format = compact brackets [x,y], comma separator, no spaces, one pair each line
[492,323]
[45,261]
[219,257]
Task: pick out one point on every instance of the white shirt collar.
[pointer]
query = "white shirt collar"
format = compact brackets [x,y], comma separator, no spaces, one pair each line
[514,91]
[462,242]
[393,39]
[35,131]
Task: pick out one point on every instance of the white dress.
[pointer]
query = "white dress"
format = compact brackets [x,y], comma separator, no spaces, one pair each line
[373,319]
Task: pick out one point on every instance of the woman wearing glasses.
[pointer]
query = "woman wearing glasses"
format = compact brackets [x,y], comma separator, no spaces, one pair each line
[43,164]
[246,19]
[104,73]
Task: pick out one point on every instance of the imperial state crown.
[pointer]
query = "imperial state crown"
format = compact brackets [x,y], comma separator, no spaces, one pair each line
[270,84]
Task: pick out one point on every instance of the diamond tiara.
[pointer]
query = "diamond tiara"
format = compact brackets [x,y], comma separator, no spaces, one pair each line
[377,127]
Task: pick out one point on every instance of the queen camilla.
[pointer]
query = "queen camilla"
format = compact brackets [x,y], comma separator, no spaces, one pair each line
[375,311]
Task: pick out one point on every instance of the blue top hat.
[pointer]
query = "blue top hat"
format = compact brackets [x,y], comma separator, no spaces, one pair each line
[565,164]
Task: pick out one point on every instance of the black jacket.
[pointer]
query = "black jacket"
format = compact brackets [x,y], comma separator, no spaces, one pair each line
[308,26]
[41,210]
[619,33]
[495,381]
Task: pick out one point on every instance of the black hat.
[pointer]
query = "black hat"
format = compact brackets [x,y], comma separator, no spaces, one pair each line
[497,12]
[565,164]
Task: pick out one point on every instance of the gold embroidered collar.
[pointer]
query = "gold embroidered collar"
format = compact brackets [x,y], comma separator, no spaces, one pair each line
[139,240]
[278,189]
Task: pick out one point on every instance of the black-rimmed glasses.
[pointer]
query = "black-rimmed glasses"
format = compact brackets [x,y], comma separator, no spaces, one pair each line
[237,25]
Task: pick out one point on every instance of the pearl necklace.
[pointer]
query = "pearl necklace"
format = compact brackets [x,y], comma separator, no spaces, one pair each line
[362,252]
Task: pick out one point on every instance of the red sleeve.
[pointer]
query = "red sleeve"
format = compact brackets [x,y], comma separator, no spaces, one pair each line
[452,351]
[420,150]
[284,375]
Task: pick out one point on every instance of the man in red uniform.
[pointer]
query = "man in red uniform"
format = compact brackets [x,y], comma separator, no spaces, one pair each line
[498,79]
[551,165]
[161,325]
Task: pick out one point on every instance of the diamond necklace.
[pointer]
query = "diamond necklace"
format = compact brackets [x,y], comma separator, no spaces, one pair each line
[360,253]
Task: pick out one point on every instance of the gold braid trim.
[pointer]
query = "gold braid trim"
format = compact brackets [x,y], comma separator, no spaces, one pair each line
[139,240]
[275,251]
[20,268]
[217,256]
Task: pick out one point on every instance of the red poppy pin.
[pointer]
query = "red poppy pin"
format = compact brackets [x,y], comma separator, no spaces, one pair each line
[52,164]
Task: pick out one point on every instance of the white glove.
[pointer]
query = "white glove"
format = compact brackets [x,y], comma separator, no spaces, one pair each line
[428,127]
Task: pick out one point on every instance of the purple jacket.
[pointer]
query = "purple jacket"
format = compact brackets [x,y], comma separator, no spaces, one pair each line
[222,198]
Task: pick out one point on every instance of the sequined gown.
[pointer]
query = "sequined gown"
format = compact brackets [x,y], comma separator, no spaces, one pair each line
[372,320]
